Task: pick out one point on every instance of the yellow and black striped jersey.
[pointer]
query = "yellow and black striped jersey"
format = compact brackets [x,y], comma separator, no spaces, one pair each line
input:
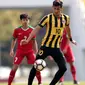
[54,29]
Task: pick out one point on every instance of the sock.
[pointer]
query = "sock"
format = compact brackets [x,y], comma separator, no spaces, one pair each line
[73,71]
[62,79]
[11,77]
[38,76]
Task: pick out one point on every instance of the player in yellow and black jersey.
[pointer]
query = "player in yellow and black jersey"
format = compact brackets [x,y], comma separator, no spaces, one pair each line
[55,23]
[54,29]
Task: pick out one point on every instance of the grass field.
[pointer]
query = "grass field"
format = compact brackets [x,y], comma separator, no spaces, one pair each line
[65,83]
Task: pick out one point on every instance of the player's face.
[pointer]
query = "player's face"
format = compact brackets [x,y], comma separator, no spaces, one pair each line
[25,21]
[57,10]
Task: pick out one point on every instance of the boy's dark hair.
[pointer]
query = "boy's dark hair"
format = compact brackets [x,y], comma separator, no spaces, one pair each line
[23,16]
[57,3]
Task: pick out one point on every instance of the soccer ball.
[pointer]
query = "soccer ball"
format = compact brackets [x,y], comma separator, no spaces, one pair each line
[39,64]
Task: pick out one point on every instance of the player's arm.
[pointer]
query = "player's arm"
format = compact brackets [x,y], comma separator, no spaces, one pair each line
[69,31]
[13,43]
[12,47]
[35,46]
[69,35]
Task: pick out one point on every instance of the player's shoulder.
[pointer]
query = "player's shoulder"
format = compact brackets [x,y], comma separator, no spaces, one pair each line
[19,27]
[65,15]
[47,16]
[50,14]
[31,27]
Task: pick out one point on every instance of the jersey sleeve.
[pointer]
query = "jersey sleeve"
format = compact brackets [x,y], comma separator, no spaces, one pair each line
[14,34]
[68,20]
[43,21]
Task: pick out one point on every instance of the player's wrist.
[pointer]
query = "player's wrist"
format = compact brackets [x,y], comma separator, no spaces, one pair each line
[12,49]
[71,39]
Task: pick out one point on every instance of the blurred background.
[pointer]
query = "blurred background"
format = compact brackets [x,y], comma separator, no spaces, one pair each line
[9,20]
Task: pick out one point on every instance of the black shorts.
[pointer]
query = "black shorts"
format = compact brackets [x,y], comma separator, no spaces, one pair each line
[54,52]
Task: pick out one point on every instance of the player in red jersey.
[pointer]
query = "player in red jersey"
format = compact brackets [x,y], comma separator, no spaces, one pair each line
[67,51]
[29,50]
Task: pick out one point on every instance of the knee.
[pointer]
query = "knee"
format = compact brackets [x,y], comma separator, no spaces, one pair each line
[15,67]
[63,68]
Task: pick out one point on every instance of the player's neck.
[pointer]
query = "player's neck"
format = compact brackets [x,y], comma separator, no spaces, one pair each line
[25,26]
[58,15]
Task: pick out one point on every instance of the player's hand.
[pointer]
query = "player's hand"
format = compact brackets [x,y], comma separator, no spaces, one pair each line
[74,42]
[23,42]
[11,53]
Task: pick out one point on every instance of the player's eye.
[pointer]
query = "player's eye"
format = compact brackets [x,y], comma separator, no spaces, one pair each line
[25,19]
[56,8]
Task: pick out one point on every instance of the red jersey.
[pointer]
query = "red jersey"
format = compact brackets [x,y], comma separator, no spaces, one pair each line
[65,41]
[20,34]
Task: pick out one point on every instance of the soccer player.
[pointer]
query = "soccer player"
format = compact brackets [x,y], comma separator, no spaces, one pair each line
[29,50]
[67,51]
[55,23]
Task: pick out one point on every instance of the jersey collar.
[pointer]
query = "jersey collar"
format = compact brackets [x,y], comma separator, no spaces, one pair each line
[24,29]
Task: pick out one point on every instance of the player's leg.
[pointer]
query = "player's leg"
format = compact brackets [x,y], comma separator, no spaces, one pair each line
[59,59]
[41,55]
[62,78]
[16,62]
[70,59]
[30,59]
[12,74]
[39,78]
[73,72]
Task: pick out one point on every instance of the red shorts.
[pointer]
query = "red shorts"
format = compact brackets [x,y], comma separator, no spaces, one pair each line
[19,56]
[69,55]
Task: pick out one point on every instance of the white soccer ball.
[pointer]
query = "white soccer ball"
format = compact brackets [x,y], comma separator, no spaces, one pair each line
[39,64]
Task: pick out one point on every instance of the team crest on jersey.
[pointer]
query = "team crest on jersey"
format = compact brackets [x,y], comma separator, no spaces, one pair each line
[40,52]
[63,21]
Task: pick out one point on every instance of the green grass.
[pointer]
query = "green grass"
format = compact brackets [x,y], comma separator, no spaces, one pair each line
[65,83]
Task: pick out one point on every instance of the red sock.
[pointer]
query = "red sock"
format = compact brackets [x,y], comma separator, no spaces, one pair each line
[62,79]
[73,71]
[11,77]
[38,76]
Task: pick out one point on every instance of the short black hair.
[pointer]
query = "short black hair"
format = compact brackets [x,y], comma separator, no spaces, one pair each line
[57,3]
[23,16]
